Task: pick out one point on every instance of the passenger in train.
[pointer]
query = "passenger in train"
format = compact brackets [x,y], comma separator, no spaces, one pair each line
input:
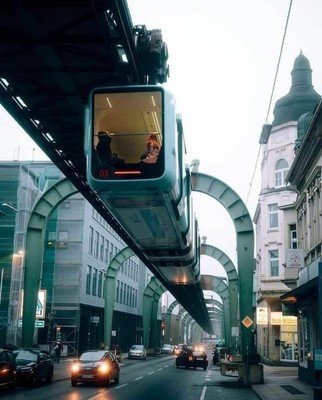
[104,152]
[152,150]
[103,148]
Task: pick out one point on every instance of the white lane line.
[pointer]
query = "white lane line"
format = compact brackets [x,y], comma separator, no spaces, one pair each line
[203,393]
[140,377]
[119,387]
[150,373]
[98,396]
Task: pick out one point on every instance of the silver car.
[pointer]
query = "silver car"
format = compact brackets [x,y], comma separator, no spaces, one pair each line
[137,351]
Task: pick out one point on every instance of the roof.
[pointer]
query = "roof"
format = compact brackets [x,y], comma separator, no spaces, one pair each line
[302,97]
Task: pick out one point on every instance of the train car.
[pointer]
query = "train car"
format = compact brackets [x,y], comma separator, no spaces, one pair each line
[135,151]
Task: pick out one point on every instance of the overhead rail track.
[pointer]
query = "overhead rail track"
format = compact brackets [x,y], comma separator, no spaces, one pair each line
[51,57]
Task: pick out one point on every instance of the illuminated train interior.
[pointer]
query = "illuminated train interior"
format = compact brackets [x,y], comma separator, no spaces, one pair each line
[135,155]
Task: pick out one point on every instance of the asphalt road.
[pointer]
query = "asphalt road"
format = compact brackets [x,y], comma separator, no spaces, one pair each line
[155,378]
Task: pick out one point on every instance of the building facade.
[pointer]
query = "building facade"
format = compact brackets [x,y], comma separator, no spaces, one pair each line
[276,221]
[306,297]
[78,247]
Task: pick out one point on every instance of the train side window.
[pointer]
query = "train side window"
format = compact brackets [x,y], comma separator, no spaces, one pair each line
[127,137]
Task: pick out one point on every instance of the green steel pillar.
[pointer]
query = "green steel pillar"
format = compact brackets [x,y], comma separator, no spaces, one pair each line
[151,295]
[35,252]
[110,276]
[245,246]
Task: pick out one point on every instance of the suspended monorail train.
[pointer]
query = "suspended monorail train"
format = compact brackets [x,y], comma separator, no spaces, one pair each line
[135,153]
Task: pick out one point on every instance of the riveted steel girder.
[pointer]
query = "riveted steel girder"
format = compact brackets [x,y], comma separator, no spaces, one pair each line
[238,212]
[110,276]
[40,215]
[151,297]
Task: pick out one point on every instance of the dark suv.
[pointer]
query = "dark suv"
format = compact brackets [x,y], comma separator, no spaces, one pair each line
[8,369]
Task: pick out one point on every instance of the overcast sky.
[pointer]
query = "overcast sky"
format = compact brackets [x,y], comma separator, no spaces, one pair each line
[223,57]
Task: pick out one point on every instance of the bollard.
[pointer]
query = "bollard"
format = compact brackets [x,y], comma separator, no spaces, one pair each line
[317,393]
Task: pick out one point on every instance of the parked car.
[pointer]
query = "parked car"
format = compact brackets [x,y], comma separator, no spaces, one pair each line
[33,366]
[167,349]
[219,354]
[8,366]
[137,351]
[116,349]
[95,366]
[192,359]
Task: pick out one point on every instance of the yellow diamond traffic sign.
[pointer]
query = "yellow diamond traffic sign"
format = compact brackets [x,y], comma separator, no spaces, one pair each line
[247,321]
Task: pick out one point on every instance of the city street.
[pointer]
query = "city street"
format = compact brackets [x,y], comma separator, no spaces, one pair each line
[153,378]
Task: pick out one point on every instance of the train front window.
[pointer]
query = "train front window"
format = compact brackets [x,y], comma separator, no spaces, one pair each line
[127,137]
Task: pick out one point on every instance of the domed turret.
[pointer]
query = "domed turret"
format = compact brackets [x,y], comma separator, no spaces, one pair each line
[302,97]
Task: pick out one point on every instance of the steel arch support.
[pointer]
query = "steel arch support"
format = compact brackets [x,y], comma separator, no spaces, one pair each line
[233,285]
[110,276]
[168,320]
[151,296]
[210,282]
[35,235]
[245,245]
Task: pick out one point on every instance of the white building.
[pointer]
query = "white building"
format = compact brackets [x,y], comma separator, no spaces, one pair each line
[275,219]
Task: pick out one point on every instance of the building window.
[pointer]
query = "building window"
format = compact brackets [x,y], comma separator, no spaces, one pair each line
[107,243]
[88,279]
[91,238]
[293,236]
[62,239]
[100,284]
[273,215]
[102,248]
[121,293]
[117,296]
[281,170]
[94,285]
[96,243]
[274,263]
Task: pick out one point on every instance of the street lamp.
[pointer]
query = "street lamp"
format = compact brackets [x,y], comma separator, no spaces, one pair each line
[10,206]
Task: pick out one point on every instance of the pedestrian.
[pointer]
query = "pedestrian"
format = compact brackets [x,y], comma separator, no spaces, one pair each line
[58,348]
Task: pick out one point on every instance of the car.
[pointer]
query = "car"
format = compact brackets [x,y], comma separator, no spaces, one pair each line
[95,366]
[137,351]
[219,354]
[33,366]
[116,349]
[200,359]
[8,369]
[178,348]
[189,358]
[167,349]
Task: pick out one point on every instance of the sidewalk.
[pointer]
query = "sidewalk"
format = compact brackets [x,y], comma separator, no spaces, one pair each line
[280,383]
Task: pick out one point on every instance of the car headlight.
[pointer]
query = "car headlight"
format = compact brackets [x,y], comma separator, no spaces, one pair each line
[5,371]
[104,368]
[75,368]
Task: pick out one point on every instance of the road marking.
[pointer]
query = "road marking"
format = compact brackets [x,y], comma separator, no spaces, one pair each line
[137,379]
[203,393]
[119,387]
[150,373]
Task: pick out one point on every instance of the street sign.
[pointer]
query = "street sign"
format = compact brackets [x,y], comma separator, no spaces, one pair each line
[38,323]
[247,322]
